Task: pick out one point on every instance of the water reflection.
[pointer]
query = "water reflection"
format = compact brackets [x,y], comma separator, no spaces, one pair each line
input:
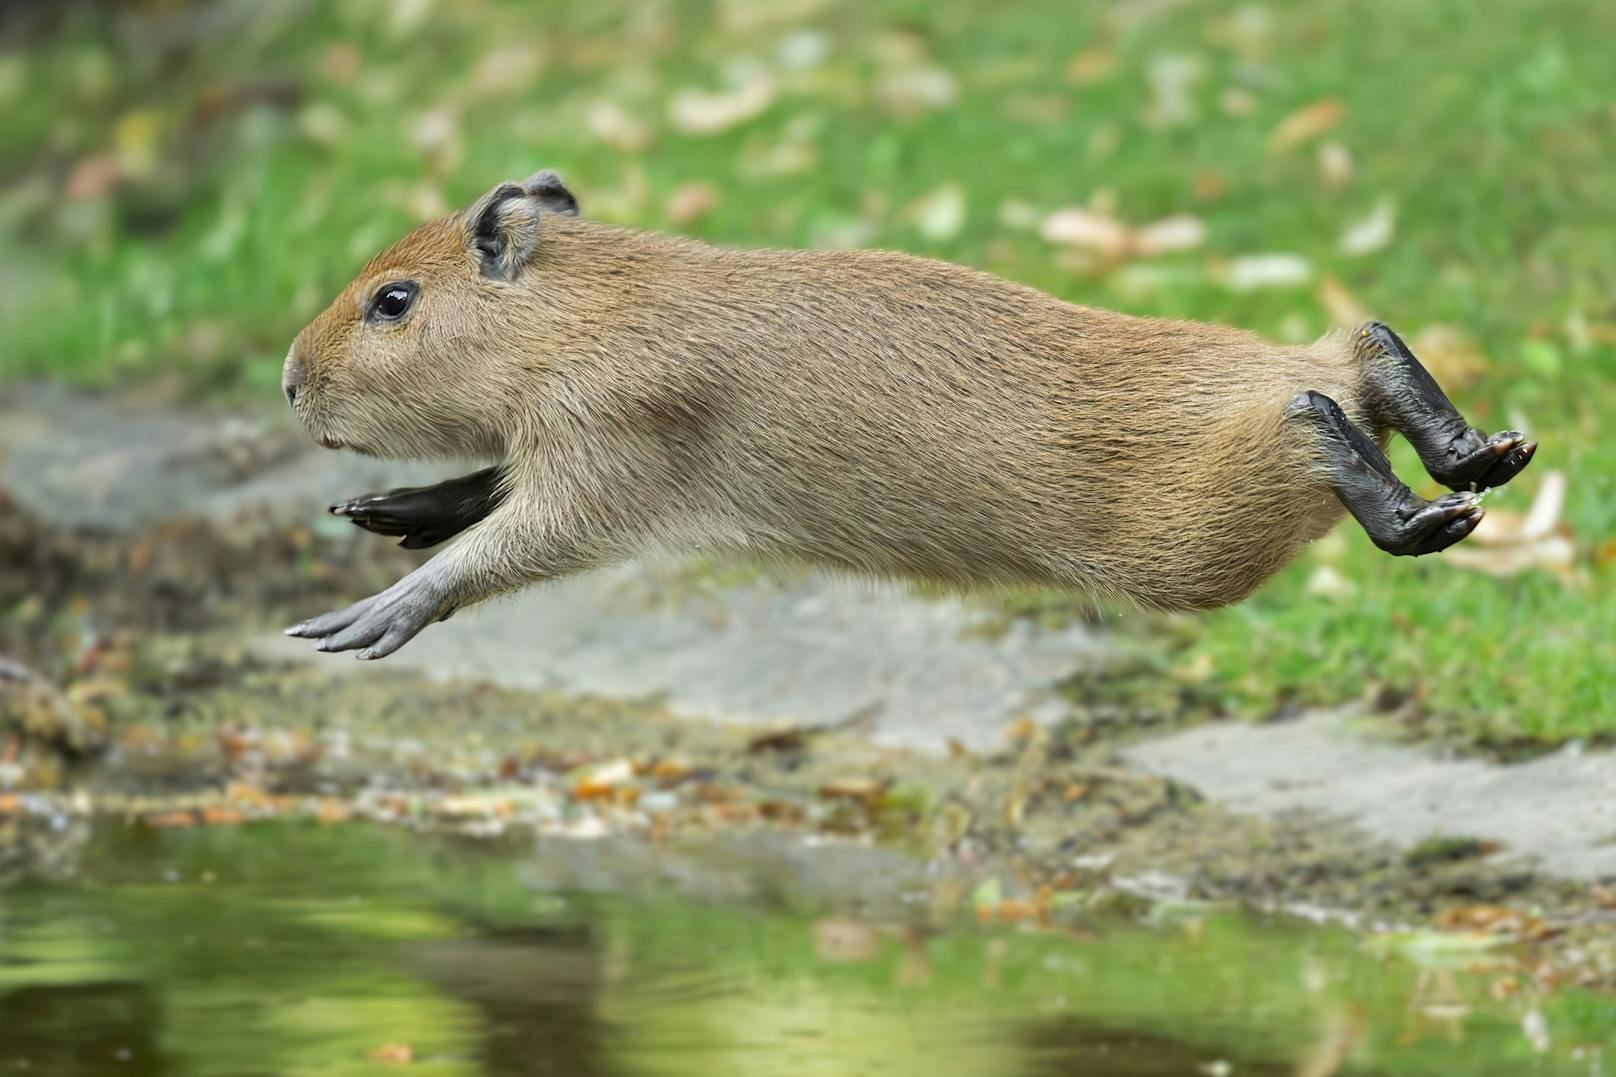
[300,949]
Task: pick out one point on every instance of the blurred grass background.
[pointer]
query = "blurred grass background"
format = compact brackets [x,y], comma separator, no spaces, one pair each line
[185,184]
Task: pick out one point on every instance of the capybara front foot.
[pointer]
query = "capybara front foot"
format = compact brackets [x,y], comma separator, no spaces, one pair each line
[424,516]
[381,624]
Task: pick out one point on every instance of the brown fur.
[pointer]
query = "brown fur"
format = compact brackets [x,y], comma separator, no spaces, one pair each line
[867,410]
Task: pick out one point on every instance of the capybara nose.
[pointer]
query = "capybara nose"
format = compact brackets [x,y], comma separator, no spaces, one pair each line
[292,375]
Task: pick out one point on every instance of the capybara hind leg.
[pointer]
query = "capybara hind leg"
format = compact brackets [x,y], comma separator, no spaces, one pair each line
[426,515]
[1398,520]
[1406,398]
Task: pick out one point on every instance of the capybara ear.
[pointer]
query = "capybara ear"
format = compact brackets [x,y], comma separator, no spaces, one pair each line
[546,186]
[502,230]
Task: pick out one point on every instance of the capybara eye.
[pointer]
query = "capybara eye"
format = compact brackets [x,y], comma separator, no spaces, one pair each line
[393,301]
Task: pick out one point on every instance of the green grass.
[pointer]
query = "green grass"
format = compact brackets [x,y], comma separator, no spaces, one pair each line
[271,148]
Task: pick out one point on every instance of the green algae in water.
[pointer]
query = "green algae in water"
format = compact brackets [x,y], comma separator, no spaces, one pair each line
[299,949]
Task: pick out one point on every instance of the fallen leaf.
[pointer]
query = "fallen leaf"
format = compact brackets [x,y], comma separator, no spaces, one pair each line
[690,202]
[136,142]
[507,70]
[695,112]
[779,740]
[1503,988]
[1090,66]
[1490,920]
[1451,355]
[1172,79]
[93,177]
[1256,271]
[1372,233]
[175,819]
[1341,306]
[341,63]
[940,215]
[867,790]
[612,125]
[1180,232]
[1335,164]
[1021,729]
[333,811]
[398,1054]
[910,91]
[1326,582]
[1238,101]
[1507,543]
[324,123]
[1075,227]
[1018,215]
[435,128]
[1306,123]
[1208,186]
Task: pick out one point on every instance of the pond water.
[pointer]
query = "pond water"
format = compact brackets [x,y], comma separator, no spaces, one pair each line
[306,949]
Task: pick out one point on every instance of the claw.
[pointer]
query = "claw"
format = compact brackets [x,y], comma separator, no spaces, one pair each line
[1512,463]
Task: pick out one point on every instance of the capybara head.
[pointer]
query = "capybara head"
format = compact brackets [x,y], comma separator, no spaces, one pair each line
[415,357]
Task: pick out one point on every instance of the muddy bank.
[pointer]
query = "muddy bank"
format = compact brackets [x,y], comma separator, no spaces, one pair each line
[1061,826]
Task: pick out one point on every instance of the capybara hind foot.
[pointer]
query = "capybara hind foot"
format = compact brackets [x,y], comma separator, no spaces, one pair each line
[1430,526]
[1396,519]
[1408,399]
[1498,459]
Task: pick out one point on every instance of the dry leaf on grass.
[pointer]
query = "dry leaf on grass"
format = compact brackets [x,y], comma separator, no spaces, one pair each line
[1075,227]
[1340,305]
[908,92]
[1335,164]
[609,122]
[1097,231]
[1091,66]
[1451,355]
[1255,271]
[1307,122]
[690,203]
[696,112]
[1180,232]
[1491,920]
[939,215]
[1508,543]
[1373,232]
[397,1054]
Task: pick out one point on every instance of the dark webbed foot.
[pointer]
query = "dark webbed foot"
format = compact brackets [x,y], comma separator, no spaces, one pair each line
[1411,402]
[424,516]
[1397,520]
[1430,526]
